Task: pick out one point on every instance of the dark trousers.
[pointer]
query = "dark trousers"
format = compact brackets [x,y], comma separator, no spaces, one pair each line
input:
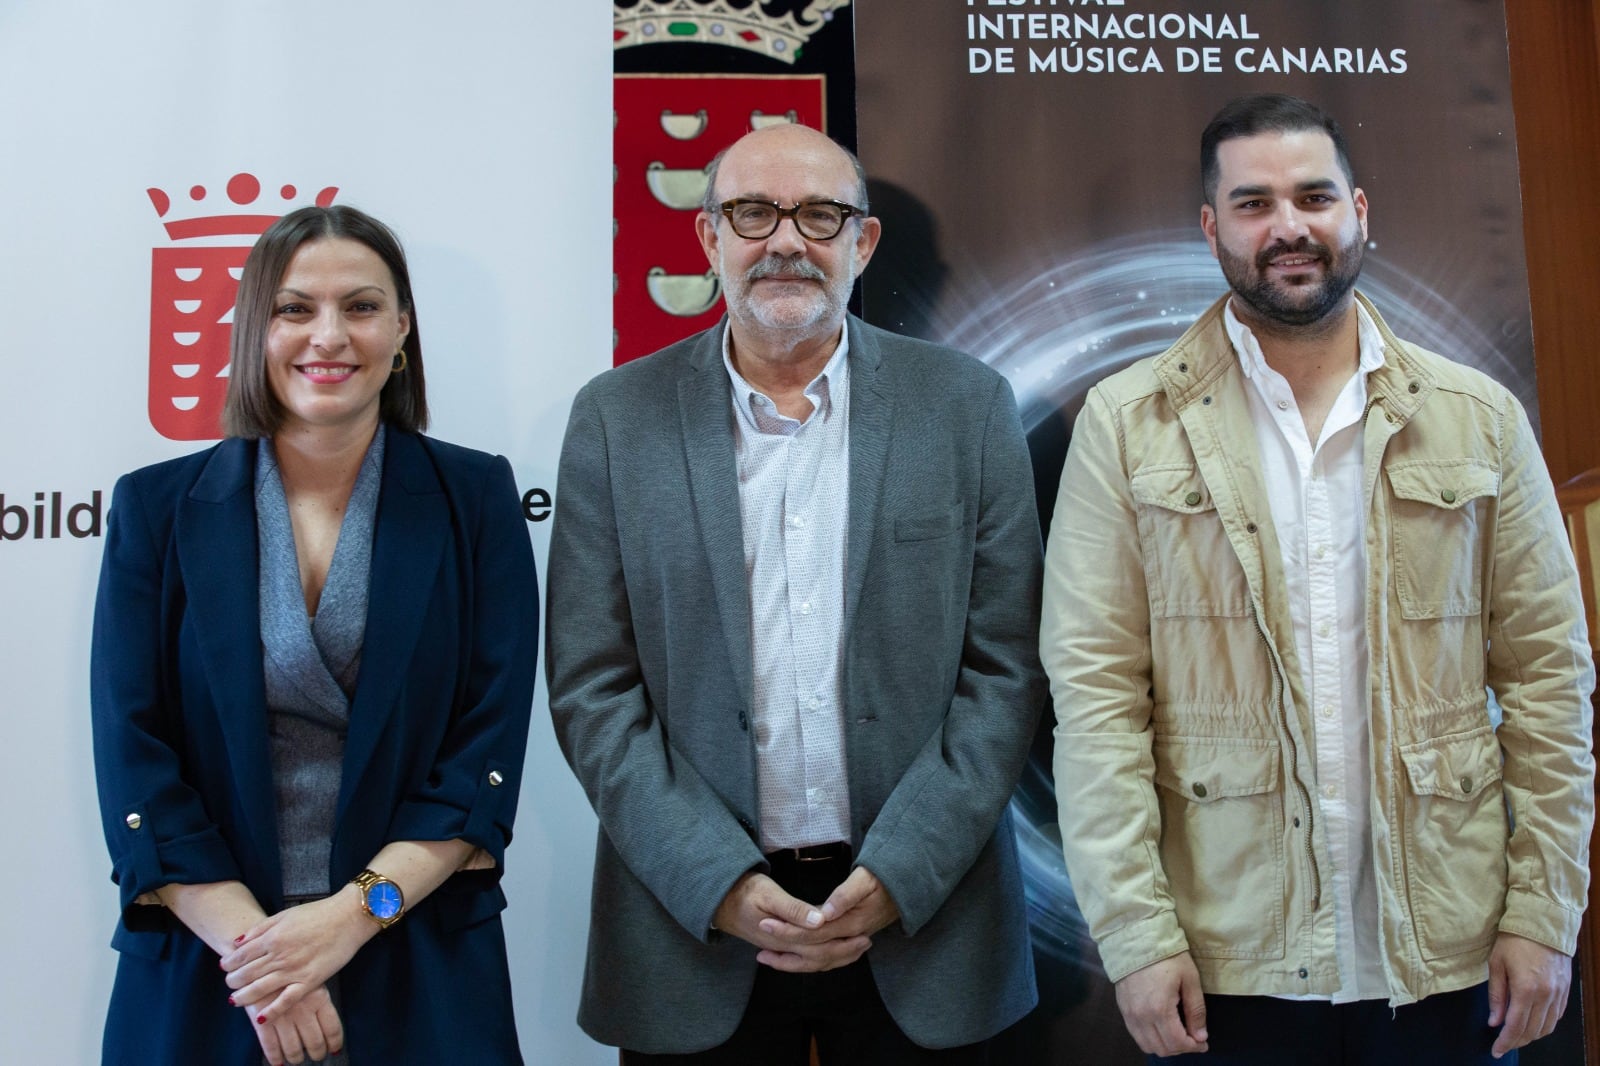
[1445,1030]
[840,1008]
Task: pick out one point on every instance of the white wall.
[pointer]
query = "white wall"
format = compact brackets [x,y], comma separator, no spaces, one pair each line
[481,132]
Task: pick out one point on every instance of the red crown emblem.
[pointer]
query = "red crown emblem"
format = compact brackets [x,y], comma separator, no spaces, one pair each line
[192,291]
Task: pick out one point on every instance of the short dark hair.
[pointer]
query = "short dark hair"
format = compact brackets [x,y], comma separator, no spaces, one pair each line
[710,204]
[1265,113]
[250,409]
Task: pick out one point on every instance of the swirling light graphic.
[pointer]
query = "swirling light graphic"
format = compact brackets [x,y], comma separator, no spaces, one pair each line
[1058,333]
[1061,331]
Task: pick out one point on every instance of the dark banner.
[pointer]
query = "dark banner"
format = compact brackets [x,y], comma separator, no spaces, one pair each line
[1036,167]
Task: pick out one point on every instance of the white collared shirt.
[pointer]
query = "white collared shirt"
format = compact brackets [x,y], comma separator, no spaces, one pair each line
[1315,493]
[794,492]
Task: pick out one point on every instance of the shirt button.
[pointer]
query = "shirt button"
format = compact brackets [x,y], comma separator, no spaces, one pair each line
[134,821]
[1283,405]
[805,608]
[1324,629]
[1330,791]
[814,702]
[1322,553]
[798,521]
[1326,712]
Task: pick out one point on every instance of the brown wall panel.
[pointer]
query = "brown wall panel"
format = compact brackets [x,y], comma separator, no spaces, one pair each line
[1555,84]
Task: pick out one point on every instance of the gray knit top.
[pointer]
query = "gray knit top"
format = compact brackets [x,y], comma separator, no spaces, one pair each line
[311,664]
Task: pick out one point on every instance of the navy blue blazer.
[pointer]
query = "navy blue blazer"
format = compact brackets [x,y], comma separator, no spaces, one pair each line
[438,728]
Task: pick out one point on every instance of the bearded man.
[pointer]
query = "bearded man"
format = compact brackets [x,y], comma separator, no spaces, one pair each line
[794,593]
[1290,558]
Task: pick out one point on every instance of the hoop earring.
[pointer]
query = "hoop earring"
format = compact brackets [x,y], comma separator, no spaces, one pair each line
[399,362]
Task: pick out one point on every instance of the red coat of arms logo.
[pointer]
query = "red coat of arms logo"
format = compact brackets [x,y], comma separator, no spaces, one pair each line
[193,284]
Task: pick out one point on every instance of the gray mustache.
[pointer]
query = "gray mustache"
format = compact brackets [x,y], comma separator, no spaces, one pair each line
[776,266]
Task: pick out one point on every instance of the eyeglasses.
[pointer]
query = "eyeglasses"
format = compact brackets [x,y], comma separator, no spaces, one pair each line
[817,220]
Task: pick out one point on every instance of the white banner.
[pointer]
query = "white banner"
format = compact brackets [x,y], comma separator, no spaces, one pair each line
[481,133]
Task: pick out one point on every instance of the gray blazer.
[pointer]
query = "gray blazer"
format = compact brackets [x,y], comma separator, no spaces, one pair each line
[649,668]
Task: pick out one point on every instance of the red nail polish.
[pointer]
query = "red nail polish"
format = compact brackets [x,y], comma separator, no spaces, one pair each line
[238,940]
[231,1003]
[261,1019]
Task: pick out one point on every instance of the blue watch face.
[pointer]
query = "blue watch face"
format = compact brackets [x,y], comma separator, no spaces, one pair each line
[383,900]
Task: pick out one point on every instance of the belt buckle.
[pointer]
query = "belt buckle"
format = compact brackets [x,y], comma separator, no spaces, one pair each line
[818,852]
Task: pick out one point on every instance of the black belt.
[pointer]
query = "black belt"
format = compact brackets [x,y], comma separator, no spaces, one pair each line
[838,851]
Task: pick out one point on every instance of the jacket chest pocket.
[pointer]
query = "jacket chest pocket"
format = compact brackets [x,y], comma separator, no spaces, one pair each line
[1222,845]
[1438,543]
[1455,837]
[1190,566]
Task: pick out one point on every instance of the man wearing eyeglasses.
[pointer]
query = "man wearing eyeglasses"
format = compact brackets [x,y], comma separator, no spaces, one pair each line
[794,581]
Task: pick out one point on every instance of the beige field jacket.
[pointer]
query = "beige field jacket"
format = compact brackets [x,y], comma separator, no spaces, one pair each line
[1184,765]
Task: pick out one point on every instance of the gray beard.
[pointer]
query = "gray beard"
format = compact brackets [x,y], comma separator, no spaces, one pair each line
[829,304]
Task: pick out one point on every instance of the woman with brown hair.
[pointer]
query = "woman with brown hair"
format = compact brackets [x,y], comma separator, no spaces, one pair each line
[312,672]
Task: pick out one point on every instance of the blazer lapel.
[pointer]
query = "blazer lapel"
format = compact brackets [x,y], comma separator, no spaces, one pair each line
[871,413]
[409,535]
[215,533]
[707,424]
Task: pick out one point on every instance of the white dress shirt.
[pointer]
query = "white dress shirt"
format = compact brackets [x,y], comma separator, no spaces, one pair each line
[1316,499]
[794,492]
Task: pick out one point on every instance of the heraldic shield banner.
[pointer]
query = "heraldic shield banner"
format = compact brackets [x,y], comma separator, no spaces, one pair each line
[668,129]
[193,284]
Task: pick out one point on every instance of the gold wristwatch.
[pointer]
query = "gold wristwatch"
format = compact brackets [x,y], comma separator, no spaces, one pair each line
[381,898]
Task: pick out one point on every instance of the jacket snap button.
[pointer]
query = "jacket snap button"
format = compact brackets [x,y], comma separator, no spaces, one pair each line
[1297,823]
[1448,496]
[134,821]
[1200,790]
[1192,498]
[1466,784]
[1249,527]
[1304,973]
[495,777]
[1183,368]
[1414,388]
[1206,401]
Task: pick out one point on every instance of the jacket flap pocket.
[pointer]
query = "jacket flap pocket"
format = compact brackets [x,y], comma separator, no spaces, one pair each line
[1207,769]
[143,943]
[1446,483]
[467,898]
[1173,488]
[1458,766]
[928,525]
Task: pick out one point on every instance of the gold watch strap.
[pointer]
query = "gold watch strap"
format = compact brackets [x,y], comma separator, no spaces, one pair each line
[365,880]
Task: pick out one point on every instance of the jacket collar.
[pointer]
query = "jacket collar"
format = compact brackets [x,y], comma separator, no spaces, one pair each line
[215,534]
[706,422]
[1190,369]
[216,540]
[413,525]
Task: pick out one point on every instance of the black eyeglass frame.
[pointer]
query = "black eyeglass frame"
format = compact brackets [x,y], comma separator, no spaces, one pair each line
[846,212]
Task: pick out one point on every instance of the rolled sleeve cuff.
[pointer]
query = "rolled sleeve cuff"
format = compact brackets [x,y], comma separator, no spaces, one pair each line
[476,818]
[1542,921]
[1140,944]
[146,863]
